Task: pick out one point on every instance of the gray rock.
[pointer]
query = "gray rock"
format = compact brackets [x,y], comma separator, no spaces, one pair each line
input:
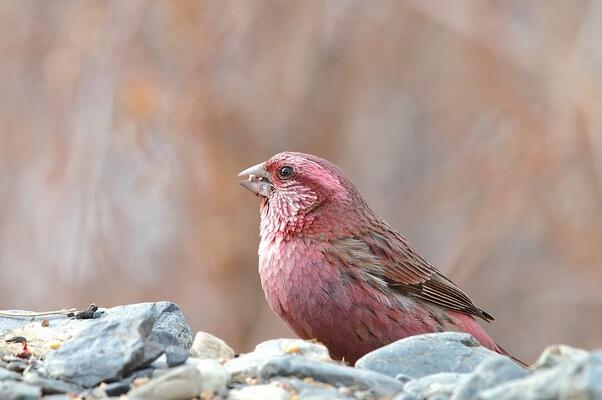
[428,354]
[432,387]
[11,390]
[267,392]
[557,354]
[206,345]
[50,386]
[246,365]
[313,390]
[116,388]
[6,375]
[336,375]
[577,379]
[125,338]
[491,372]
[185,382]
[175,355]
[215,376]
[17,365]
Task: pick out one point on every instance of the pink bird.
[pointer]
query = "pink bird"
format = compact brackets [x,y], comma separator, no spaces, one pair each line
[338,273]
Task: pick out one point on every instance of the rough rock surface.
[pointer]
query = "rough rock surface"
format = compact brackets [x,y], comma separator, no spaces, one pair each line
[423,355]
[124,339]
[144,351]
[488,374]
[579,378]
[245,366]
[336,375]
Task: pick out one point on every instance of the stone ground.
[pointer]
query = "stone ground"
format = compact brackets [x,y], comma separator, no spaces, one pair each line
[147,351]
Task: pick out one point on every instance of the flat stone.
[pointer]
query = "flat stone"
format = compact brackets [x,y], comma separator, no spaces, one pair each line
[123,339]
[336,375]
[206,345]
[557,354]
[488,374]
[576,379]
[428,354]
[12,390]
[246,365]
[185,382]
[267,392]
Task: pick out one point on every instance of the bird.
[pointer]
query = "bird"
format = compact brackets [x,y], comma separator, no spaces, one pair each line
[336,272]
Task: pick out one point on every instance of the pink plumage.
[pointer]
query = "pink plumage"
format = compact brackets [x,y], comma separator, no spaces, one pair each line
[338,273]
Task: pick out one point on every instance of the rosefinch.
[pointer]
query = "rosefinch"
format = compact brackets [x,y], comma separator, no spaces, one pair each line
[336,272]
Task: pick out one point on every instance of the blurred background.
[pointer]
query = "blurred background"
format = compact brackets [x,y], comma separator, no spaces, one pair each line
[473,127]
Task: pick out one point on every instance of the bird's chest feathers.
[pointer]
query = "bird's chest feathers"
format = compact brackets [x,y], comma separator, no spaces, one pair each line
[294,275]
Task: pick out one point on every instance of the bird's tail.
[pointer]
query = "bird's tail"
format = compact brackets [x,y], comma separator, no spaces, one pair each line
[468,324]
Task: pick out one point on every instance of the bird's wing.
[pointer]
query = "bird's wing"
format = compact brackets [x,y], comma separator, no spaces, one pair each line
[393,261]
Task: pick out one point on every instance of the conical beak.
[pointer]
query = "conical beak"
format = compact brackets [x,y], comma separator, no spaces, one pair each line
[258,180]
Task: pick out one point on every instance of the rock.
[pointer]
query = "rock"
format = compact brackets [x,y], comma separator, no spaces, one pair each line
[246,365]
[491,372]
[215,377]
[175,355]
[576,379]
[11,390]
[114,389]
[184,382]
[6,375]
[206,345]
[50,386]
[267,392]
[309,389]
[125,338]
[17,365]
[436,386]
[557,354]
[428,354]
[336,375]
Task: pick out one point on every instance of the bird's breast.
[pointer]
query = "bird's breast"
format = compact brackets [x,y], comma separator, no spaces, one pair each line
[296,279]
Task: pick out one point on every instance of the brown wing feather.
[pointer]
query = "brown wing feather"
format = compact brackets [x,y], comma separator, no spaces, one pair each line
[407,271]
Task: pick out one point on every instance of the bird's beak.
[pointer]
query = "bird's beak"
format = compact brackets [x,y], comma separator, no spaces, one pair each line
[258,180]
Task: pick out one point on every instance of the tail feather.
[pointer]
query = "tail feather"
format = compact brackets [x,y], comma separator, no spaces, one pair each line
[468,324]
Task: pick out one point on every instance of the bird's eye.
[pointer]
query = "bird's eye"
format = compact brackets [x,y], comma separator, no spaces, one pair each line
[286,172]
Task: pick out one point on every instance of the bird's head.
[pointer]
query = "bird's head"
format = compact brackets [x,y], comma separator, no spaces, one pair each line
[301,193]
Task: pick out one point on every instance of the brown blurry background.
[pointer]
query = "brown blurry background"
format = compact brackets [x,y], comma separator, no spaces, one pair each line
[473,127]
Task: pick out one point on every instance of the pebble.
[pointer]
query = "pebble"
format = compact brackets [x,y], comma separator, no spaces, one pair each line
[264,392]
[206,345]
[184,382]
